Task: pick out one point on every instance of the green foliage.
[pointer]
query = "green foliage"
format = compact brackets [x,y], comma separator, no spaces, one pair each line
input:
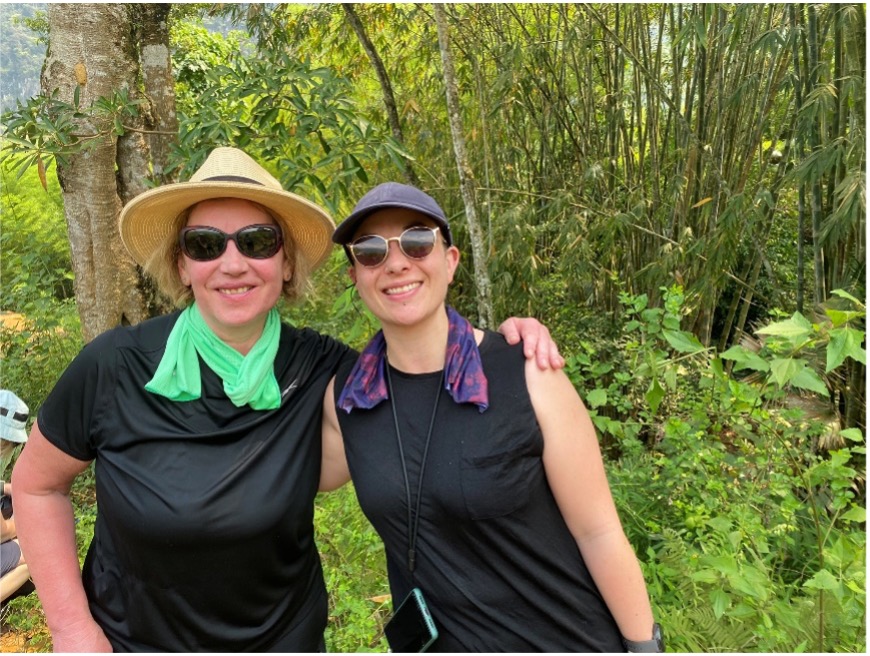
[355,570]
[283,108]
[195,52]
[36,261]
[43,334]
[746,511]
[751,538]
[39,340]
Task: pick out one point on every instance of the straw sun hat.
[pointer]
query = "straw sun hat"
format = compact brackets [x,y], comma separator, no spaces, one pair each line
[148,219]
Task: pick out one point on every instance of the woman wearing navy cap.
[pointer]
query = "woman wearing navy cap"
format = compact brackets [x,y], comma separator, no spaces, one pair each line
[482,474]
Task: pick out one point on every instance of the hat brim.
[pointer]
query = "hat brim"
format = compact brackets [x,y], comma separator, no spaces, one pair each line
[147,220]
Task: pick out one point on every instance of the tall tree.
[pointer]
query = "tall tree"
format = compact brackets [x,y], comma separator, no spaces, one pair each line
[98,55]
[466,175]
[386,86]
[89,58]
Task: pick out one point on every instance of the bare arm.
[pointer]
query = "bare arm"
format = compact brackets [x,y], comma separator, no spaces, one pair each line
[334,471]
[44,518]
[575,471]
[537,342]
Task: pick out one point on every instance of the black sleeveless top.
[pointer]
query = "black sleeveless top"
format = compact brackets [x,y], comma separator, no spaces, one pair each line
[203,539]
[495,560]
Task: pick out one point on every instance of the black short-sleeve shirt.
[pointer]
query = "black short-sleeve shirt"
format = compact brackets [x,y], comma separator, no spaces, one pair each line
[203,539]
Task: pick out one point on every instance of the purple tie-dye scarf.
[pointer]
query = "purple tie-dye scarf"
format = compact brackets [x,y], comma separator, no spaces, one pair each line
[463,375]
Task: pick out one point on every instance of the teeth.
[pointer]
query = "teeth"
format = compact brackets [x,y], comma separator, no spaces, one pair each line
[237,290]
[402,289]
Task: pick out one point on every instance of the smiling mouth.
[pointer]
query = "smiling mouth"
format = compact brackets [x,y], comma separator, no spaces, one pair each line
[236,291]
[401,290]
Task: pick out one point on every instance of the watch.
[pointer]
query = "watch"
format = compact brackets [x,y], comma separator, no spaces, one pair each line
[656,645]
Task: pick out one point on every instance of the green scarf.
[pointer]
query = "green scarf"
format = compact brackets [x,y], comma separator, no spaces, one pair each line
[248,379]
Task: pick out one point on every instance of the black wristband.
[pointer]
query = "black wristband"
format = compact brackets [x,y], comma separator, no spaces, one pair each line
[655,645]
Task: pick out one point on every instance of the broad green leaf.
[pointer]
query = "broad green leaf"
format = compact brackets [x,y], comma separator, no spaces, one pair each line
[784,369]
[845,342]
[720,601]
[742,611]
[705,576]
[640,302]
[654,395]
[745,359]
[842,294]
[797,326]
[853,434]
[855,514]
[750,582]
[682,341]
[596,398]
[823,580]
[839,317]
[719,524]
[808,379]
[724,564]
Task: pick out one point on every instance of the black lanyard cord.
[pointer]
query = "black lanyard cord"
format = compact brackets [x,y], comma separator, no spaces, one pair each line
[414,524]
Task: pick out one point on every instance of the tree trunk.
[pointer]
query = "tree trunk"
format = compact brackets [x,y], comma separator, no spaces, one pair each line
[819,291]
[466,176]
[91,48]
[158,81]
[798,77]
[386,86]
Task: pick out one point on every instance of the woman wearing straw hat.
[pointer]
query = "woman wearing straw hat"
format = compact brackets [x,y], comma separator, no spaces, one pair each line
[481,474]
[204,426]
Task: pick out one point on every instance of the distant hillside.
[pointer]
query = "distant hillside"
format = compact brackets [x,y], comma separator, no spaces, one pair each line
[21,52]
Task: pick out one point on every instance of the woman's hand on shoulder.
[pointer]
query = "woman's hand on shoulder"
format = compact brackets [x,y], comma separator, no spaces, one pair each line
[537,343]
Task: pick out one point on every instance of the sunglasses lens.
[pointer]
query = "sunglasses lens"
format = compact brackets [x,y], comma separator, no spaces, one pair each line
[369,251]
[259,242]
[203,243]
[417,242]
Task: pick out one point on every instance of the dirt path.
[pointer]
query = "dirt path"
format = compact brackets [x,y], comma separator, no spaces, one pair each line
[12,642]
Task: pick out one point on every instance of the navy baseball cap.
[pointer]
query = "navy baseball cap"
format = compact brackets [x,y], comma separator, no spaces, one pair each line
[392,194]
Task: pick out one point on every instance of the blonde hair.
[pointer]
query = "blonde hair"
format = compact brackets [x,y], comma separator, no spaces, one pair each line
[162,266]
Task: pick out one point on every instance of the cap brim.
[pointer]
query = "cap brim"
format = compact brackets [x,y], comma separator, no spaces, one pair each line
[147,220]
[346,230]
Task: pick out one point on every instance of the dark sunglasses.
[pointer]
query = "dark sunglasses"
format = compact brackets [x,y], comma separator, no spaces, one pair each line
[372,250]
[260,241]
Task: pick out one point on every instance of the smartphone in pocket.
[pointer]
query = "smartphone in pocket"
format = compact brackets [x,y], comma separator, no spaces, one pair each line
[411,629]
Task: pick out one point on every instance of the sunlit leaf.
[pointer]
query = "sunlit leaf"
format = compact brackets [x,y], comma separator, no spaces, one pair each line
[845,342]
[682,341]
[797,326]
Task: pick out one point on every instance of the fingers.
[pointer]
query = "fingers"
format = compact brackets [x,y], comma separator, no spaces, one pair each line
[555,358]
[537,342]
[511,332]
